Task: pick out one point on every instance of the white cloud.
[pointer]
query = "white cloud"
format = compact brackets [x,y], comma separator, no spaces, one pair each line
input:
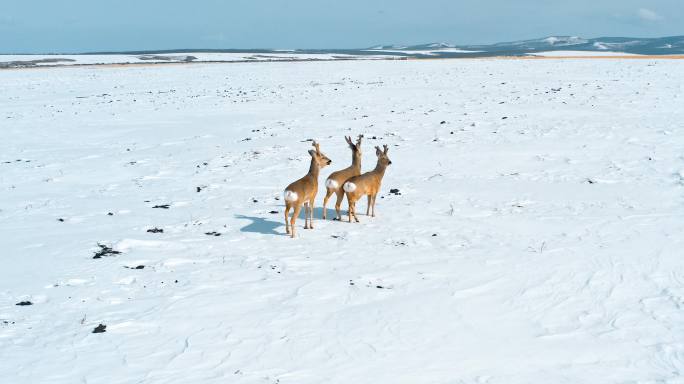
[648,15]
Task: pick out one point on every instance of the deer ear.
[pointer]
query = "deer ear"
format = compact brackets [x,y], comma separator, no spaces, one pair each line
[312,152]
[348,140]
[386,148]
[378,151]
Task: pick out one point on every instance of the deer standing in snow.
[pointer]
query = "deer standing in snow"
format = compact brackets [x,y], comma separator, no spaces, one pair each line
[336,180]
[367,184]
[303,191]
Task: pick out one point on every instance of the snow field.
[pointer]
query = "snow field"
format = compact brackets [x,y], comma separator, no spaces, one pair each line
[536,235]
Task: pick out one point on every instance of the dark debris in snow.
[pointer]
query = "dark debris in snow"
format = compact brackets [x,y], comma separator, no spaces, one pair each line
[104,251]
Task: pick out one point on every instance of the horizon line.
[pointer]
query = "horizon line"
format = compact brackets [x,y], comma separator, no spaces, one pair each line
[249,50]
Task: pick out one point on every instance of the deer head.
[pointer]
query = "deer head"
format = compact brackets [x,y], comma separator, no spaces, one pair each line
[382,156]
[318,156]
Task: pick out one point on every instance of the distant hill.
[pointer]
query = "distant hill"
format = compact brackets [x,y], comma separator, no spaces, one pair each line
[672,45]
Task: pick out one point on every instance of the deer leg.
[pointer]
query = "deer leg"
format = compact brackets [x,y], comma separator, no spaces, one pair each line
[370,200]
[297,208]
[350,207]
[352,211]
[311,213]
[306,215]
[328,193]
[338,203]
[287,213]
[373,207]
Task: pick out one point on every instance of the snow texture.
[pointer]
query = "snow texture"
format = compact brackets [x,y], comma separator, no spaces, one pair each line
[92,59]
[581,54]
[426,52]
[537,237]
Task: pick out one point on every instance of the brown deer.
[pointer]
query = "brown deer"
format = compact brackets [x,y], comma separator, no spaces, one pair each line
[367,184]
[303,191]
[336,180]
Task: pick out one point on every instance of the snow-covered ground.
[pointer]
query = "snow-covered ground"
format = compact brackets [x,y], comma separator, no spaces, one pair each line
[90,59]
[581,54]
[537,236]
[426,52]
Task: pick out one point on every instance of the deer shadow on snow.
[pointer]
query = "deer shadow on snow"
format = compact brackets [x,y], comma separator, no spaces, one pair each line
[268,226]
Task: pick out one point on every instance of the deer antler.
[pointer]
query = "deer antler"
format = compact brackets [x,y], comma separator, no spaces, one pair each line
[348,140]
[386,148]
[317,146]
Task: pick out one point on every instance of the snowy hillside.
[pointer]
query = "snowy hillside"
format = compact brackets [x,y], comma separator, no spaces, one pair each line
[673,45]
[599,46]
[547,42]
[535,237]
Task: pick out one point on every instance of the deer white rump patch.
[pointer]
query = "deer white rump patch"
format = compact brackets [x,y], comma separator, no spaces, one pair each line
[349,187]
[290,196]
[332,184]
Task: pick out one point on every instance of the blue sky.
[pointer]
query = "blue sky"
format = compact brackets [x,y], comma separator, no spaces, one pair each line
[37,26]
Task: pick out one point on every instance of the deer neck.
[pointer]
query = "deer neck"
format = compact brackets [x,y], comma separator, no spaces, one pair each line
[380,169]
[314,169]
[356,162]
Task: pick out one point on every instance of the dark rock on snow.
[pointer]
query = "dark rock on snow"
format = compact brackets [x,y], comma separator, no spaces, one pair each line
[104,251]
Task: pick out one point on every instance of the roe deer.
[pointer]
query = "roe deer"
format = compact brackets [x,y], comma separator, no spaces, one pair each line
[367,184]
[336,180]
[303,191]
